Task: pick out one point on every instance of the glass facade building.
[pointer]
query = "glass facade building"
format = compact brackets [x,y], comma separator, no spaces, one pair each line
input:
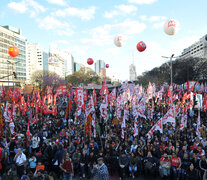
[99,65]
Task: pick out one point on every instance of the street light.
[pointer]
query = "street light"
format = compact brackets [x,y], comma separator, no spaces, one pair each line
[12,63]
[172,56]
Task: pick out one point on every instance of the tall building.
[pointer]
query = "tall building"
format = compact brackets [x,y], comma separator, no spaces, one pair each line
[77,67]
[56,63]
[61,62]
[132,72]
[37,59]
[10,36]
[69,62]
[198,49]
[99,65]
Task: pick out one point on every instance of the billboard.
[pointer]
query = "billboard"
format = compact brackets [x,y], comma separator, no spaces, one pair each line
[53,59]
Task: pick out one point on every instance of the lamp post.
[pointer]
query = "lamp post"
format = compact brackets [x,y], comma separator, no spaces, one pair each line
[9,62]
[171,57]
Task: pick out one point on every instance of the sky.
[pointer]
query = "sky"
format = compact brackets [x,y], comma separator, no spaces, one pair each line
[87,28]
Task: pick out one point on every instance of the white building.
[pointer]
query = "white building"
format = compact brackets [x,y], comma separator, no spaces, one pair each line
[132,72]
[198,49]
[61,62]
[37,59]
[10,36]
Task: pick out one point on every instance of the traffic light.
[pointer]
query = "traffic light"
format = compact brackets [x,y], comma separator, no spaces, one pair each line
[15,75]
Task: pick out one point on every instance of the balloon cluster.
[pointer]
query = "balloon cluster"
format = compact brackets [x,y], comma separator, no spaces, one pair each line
[170,28]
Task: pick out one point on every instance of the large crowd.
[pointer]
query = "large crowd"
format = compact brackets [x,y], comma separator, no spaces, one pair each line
[61,148]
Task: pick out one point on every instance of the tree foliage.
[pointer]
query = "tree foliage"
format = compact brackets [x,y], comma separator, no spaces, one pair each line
[44,78]
[85,76]
[183,70]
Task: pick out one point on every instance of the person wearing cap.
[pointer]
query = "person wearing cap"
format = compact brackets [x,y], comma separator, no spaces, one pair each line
[100,171]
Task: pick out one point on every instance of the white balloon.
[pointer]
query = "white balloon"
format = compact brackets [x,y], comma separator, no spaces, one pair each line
[119,40]
[171,27]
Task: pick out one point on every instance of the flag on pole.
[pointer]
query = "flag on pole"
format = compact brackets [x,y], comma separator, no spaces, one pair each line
[28,133]
[104,89]
[198,129]
[112,95]
[156,127]
[1,123]
[94,97]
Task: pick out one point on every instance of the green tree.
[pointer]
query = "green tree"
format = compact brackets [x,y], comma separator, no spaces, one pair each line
[183,70]
[85,76]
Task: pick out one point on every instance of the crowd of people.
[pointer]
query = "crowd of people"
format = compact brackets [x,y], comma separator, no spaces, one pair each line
[60,148]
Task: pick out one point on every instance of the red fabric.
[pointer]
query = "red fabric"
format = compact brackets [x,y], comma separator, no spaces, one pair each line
[68,166]
[175,161]
[62,134]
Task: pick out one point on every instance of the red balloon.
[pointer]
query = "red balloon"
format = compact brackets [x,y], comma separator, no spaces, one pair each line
[90,61]
[13,51]
[107,65]
[141,46]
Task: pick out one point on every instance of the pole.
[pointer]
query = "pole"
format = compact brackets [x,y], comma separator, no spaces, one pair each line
[8,73]
[13,76]
[171,70]
[171,80]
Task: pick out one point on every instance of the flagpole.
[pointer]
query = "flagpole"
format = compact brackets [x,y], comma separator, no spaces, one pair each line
[99,132]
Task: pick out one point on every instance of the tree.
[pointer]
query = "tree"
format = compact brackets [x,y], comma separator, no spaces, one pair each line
[85,76]
[45,78]
[183,70]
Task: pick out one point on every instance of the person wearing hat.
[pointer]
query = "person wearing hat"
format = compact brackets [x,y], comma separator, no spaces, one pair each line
[100,171]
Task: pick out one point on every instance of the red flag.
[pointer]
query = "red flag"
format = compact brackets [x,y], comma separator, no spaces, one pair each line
[38,95]
[150,91]
[90,107]
[88,125]
[79,98]
[112,95]
[156,127]
[69,107]
[84,95]
[28,133]
[169,116]
[1,123]
[169,92]
[104,89]
[49,90]
[22,100]
[54,111]
[28,101]
[94,97]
